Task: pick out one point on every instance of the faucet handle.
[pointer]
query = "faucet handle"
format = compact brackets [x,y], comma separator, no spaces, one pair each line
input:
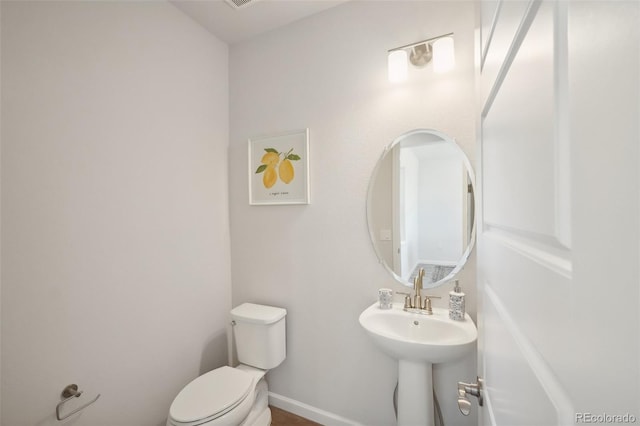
[407,299]
[427,304]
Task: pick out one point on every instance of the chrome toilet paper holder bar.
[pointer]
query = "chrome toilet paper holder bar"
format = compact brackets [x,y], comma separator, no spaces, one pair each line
[68,393]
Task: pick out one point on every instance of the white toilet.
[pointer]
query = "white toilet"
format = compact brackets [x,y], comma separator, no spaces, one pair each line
[237,396]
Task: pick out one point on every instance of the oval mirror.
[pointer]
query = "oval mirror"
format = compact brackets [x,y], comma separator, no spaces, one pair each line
[420,207]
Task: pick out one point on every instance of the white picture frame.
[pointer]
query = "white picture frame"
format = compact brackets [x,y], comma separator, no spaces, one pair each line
[279,168]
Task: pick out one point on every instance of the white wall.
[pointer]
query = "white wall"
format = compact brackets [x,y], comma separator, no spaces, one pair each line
[410,175]
[328,73]
[115,250]
[441,209]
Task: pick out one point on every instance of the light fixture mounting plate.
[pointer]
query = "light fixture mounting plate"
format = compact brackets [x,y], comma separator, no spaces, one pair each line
[421,54]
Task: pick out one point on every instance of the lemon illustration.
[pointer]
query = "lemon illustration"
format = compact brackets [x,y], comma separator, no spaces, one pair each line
[270,177]
[271,159]
[286,171]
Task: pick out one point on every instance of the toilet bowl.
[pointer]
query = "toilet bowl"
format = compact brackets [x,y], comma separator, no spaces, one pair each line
[237,396]
[225,396]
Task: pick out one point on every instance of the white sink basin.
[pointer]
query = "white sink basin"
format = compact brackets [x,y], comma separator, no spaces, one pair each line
[417,341]
[418,337]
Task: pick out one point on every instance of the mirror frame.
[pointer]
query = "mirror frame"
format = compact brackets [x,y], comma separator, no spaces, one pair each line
[472,237]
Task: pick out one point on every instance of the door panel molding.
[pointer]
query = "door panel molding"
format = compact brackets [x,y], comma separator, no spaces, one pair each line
[520,34]
[546,251]
[486,37]
[530,144]
[532,366]
[562,124]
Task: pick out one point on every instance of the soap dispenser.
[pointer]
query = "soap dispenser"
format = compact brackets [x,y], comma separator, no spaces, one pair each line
[456,303]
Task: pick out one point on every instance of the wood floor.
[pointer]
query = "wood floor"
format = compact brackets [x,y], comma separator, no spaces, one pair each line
[284,418]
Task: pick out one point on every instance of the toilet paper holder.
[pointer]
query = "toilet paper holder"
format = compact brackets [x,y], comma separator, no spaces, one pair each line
[68,393]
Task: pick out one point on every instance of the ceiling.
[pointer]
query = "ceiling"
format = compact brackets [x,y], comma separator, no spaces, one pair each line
[233,25]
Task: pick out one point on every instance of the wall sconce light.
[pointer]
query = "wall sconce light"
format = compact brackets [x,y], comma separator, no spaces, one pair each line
[398,66]
[439,49]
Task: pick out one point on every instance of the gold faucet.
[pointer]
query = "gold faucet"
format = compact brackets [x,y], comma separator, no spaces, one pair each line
[417,286]
[417,305]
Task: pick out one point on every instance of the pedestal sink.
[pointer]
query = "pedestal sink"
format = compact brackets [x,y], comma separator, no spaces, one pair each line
[417,341]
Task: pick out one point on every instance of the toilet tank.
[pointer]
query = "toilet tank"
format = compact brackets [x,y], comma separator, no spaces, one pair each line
[259,333]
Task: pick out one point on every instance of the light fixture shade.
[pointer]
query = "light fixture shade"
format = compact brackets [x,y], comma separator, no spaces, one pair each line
[444,58]
[398,66]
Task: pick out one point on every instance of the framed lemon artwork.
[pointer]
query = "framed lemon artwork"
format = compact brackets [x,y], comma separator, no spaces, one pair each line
[279,168]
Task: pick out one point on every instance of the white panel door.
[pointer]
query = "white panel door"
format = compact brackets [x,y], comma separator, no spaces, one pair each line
[559,218]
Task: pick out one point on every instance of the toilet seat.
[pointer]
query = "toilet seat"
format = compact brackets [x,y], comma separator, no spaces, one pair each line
[210,396]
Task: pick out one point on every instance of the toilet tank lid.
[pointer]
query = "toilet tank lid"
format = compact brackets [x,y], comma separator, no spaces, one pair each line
[259,314]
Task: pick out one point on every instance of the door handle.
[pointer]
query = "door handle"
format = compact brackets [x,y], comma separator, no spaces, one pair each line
[473,389]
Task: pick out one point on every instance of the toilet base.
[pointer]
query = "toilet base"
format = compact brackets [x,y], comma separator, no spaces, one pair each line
[260,414]
[262,419]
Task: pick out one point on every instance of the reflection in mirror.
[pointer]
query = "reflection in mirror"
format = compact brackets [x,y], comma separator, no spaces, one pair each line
[420,207]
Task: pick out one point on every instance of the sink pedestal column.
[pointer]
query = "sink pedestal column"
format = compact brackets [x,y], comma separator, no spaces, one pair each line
[415,393]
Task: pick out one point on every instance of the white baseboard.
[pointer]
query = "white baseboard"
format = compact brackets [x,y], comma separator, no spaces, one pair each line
[308,412]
